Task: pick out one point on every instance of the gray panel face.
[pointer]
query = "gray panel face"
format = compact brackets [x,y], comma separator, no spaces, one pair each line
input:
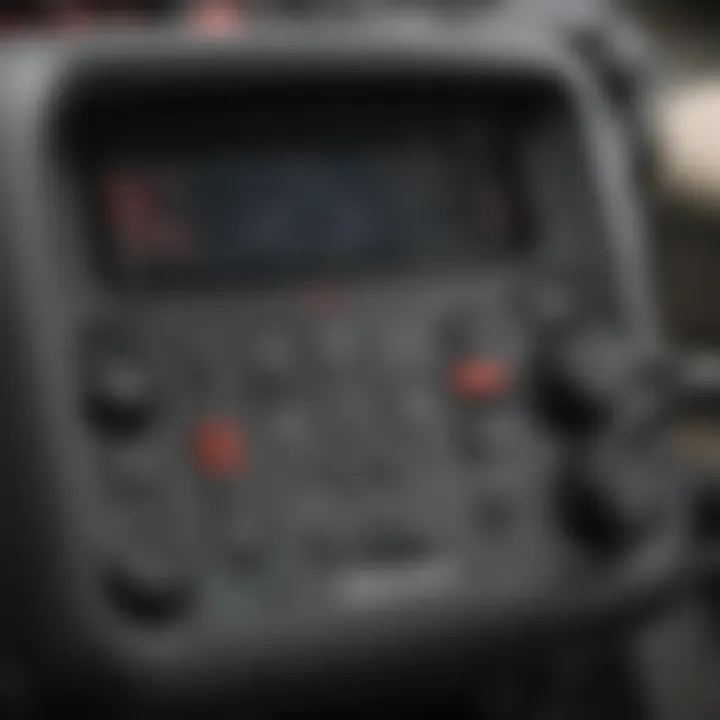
[361,464]
[370,486]
[373,499]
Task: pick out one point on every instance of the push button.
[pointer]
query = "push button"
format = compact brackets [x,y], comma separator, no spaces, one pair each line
[220,449]
[338,346]
[465,331]
[273,362]
[389,540]
[479,379]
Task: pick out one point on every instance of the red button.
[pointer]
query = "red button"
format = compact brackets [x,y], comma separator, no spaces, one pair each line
[480,379]
[220,448]
[217,17]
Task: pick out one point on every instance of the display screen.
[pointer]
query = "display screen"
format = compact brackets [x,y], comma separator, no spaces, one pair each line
[320,207]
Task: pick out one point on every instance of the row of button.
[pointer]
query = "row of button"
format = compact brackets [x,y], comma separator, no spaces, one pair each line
[358,438]
[122,389]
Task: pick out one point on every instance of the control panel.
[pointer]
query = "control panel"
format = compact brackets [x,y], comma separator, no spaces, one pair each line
[328,448]
[324,352]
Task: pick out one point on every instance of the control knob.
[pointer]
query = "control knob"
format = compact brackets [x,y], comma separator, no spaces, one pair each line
[121,398]
[578,380]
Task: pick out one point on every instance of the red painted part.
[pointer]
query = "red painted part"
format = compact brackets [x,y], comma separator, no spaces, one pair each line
[217,17]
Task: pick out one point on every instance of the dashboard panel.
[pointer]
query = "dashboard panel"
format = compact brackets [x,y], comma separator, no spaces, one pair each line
[333,352]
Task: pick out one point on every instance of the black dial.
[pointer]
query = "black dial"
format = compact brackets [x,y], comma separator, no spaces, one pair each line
[121,393]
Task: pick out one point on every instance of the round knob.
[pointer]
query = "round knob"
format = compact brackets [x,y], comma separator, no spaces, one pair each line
[148,585]
[120,395]
[588,512]
[617,494]
[577,381]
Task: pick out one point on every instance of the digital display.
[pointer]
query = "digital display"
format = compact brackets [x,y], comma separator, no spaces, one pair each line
[313,208]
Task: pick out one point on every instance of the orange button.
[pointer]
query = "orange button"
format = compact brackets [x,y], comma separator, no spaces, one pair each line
[480,379]
[220,448]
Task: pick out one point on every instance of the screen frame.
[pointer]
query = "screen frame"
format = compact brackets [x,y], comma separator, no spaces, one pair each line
[133,124]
